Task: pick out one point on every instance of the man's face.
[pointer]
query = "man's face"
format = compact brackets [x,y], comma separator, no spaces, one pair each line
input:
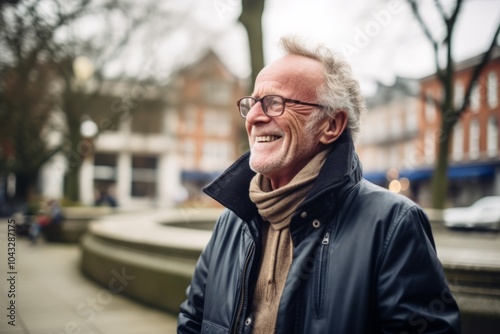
[280,146]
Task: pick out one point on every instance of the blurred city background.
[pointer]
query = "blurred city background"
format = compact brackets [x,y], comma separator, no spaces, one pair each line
[119,112]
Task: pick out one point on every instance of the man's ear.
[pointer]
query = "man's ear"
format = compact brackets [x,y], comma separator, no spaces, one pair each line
[333,127]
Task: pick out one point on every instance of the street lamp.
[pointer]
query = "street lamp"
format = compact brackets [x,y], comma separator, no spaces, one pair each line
[83,68]
[88,128]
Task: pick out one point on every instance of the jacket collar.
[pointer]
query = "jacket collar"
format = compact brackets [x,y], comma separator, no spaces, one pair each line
[340,170]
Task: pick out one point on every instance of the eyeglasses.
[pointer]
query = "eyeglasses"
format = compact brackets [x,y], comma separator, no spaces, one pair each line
[273,105]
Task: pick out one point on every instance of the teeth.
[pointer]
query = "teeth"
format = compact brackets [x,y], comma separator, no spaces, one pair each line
[261,139]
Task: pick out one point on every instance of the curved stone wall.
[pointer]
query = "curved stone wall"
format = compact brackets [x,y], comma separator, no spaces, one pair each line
[141,256]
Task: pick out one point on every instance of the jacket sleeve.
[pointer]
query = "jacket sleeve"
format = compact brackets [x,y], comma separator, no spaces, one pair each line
[413,295]
[191,311]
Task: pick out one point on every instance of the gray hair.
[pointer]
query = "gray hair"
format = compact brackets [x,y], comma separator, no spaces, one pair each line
[340,91]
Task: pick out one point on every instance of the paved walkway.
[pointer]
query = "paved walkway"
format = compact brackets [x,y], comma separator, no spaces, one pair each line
[53,297]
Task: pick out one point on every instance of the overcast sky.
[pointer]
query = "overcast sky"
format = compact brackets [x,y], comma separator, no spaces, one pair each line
[380,38]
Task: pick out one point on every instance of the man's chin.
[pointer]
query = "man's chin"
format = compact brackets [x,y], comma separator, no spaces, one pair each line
[259,166]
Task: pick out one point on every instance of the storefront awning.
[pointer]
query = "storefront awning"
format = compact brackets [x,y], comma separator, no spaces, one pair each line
[454,172]
[477,171]
[376,177]
[417,174]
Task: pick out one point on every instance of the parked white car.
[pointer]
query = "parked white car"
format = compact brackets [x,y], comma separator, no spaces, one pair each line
[483,214]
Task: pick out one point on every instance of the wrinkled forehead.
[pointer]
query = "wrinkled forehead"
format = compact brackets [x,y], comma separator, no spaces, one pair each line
[292,75]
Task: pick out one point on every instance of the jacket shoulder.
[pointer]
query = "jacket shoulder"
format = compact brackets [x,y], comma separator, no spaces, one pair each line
[370,207]
[379,199]
[392,212]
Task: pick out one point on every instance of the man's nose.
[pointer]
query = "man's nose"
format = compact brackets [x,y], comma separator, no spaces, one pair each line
[257,114]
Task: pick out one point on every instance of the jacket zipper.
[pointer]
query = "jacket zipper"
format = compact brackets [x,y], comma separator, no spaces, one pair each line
[326,239]
[243,290]
[321,271]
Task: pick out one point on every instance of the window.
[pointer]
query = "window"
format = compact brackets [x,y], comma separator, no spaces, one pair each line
[217,92]
[381,158]
[492,139]
[98,113]
[394,157]
[475,98]
[368,159]
[147,121]
[458,142]
[368,134]
[105,175]
[410,155]
[190,119]
[188,152]
[105,166]
[474,139]
[144,169]
[430,109]
[380,124]
[170,121]
[395,123]
[187,148]
[458,94]
[492,89]
[216,154]
[217,122]
[429,147]
[411,117]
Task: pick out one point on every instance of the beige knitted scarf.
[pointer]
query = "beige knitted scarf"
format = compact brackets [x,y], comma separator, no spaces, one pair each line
[276,208]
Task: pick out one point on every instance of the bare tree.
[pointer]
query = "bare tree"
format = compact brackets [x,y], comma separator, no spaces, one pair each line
[450,112]
[78,97]
[27,97]
[42,42]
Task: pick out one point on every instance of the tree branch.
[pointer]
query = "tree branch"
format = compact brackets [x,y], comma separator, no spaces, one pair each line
[434,100]
[441,11]
[427,32]
[455,13]
[422,24]
[47,156]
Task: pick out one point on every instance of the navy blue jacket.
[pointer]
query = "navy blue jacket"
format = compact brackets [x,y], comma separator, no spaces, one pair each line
[364,260]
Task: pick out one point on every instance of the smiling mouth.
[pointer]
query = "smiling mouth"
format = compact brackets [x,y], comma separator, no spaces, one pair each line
[266,139]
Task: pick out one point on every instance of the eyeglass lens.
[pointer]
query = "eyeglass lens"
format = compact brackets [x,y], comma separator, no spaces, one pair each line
[271,104]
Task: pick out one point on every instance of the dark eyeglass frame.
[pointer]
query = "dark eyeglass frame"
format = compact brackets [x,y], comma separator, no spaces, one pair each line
[264,105]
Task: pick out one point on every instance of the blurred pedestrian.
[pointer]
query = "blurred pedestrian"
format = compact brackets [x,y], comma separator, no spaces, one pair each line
[106,197]
[307,245]
[34,229]
[55,212]
[49,217]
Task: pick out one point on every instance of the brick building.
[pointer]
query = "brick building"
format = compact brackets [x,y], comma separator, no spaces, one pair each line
[400,135]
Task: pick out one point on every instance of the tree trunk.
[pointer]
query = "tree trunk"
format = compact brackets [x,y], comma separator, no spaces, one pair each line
[71,184]
[80,148]
[440,178]
[251,18]
[25,186]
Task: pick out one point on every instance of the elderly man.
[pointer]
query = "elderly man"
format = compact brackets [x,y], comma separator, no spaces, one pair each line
[306,245]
